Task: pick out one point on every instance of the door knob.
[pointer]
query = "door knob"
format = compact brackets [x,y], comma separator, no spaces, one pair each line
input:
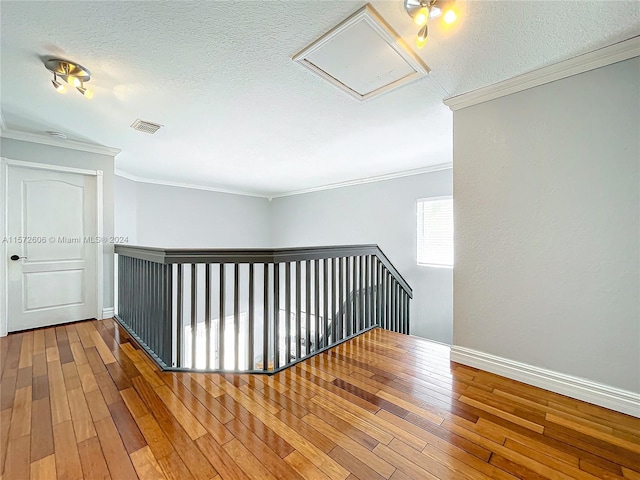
[16,257]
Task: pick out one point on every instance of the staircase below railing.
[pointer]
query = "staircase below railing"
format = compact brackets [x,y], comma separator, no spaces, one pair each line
[255,311]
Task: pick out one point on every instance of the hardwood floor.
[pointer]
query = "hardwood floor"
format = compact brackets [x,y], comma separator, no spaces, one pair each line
[82,401]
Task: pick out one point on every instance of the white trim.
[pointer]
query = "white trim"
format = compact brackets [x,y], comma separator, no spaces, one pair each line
[99,245]
[4,260]
[108,312]
[360,181]
[194,186]
[589,61]
[3,123]
[4,293]
[372,18]
[54,142]
[580,388]
[50,167]
[379,178]
[433,199]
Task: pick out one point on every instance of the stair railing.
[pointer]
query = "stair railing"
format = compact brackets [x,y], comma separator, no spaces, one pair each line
[256,310]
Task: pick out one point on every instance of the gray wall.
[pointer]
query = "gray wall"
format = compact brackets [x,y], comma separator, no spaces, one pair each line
[383,213]
[35,152]
[547,209]
[126,209]
[185,217]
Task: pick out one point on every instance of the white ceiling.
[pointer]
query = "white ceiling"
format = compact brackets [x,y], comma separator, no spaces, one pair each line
[239,114]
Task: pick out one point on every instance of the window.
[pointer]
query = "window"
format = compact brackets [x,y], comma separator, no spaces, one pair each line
[435,232]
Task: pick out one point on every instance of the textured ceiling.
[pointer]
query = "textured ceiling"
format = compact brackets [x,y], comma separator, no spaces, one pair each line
[239,114]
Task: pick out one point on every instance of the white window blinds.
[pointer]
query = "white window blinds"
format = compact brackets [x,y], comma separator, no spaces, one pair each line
[435,231]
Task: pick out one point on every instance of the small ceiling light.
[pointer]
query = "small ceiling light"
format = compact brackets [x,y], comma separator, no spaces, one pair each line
[423,10]
[85,91]
[450,17]
[57,85]
[421,17]
[73,73]
[421,39]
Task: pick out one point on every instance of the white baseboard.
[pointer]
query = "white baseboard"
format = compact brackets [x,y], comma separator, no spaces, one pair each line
[575,387]
[108,312]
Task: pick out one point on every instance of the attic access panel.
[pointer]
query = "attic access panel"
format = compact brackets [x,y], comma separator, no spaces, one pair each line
[363,56]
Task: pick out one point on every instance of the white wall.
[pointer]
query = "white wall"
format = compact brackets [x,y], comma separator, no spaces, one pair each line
[126,209]
[184,217]
[547,208]
[35,152]
[382,213]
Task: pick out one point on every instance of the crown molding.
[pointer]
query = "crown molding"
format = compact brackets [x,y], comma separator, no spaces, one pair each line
[379,178]
[617,52]
[167,183]
[54,142]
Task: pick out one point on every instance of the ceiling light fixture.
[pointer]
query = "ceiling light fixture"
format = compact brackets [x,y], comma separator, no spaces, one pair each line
[423,10]
[74,74]
[57,85]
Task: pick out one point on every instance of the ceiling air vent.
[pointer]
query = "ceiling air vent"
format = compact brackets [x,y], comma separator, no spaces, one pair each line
[146,127]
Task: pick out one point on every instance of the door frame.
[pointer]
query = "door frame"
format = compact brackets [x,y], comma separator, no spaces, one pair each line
[5,163]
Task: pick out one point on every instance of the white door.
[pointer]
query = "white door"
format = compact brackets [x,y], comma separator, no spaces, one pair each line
[50,216]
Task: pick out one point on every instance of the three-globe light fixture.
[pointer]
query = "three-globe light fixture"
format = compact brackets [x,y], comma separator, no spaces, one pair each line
[73,74]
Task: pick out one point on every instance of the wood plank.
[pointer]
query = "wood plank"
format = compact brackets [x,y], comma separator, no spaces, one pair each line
[432,464]
[174,468]
[26,351]
[41,430]
[436,435]
[39,365]
[21,418]
[80,415]
[249,464]
[68,464]
[87,377]
[92,459]
[300,443]
[357,467]
[135,405]
[403,464]
[17,464]
[190,424]
[592,432]
[60,411]
[107,387]
[40,387]
[44,469]
[278,444]
[127,427]
[97,406]
[218,457]
[500,413]
[304,467]
[154,436]
[103,349]
[146,465]
[118,461]
[5,424]
[71,377]
[351,446]
[263,452]
[459,460]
